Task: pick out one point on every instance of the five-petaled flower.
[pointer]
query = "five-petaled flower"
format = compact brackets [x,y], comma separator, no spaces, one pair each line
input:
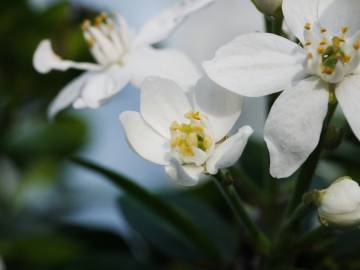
[186,135]
[259,64]
[120,58]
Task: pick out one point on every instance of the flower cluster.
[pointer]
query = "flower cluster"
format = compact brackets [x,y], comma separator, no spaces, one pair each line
[185,117]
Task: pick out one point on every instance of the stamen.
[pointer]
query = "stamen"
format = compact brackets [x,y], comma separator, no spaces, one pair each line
[327,70]
[344,30]
[310,56]
[323,30]
[307,26]
[86,25]
[356,45]
[321,50]
[308,43]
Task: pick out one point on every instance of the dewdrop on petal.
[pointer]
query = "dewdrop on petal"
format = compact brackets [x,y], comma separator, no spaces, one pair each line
[339,204]
[268,7]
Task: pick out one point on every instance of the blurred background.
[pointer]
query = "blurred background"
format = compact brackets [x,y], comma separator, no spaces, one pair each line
[56,215]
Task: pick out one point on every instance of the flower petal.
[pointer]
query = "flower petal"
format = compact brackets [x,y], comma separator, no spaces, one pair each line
[160,27]
[348,95]
[68,94]
[45,60]
[293,128]
[162,102]
[169,64]
[222,107]
[256,64]
[228,152]
[335,14]
[298,13]
[143,139]
[104,85]
[185,175]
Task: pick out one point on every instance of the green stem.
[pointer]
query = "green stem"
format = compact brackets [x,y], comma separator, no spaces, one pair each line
[227,189]
[247,184]
[308,170]
[311,237]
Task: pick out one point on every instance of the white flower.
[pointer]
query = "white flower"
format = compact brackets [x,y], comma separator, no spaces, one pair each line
[268,7]
[121,59]
[261,64]
[339,204]
[189,140]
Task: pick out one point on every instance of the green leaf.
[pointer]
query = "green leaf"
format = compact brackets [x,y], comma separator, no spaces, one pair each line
[178,219]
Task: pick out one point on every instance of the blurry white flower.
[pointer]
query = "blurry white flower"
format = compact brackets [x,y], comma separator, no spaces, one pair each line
[121,58]
[268,7]
[261,64]
[339,204]
[187,136]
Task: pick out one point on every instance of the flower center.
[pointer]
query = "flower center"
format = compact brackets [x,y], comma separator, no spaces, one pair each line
[191,142]
[331,58]
[107,38]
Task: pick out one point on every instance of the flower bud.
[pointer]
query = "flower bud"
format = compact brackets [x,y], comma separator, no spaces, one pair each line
[268,7]
[339,204]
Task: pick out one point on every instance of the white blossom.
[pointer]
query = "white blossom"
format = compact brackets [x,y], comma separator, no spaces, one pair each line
[186,135]
[121,58]
[260,64]
[339,204]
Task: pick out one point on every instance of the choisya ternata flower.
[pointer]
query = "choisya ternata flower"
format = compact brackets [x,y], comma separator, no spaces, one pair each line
[121,58]
[189,140]
[261,64]
[339,204]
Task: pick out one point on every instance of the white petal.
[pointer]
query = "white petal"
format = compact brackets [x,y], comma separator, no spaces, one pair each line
[222,107]
[185,175]
[68,94]
[298,13]
[160,27]
[339,13]
[343,196]
[162,101]
[348,95]
[143,139]
[293,128]
[169,64]
[104,85]
[45,60]
[228,152]
[256,64]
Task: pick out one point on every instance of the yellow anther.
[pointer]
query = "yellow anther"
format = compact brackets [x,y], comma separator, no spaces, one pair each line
[176,141]
[323,30]
[336,41]
[344,30]
[207,142]
[192,140]
[356,45]
[90,41]
[193,115]
[86,25]
[186,151]
[327,70]
[323,42]
[346,58]
[197,128]
[310,56]
[307,26]
[321,50]
[308,43]
[174,126]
